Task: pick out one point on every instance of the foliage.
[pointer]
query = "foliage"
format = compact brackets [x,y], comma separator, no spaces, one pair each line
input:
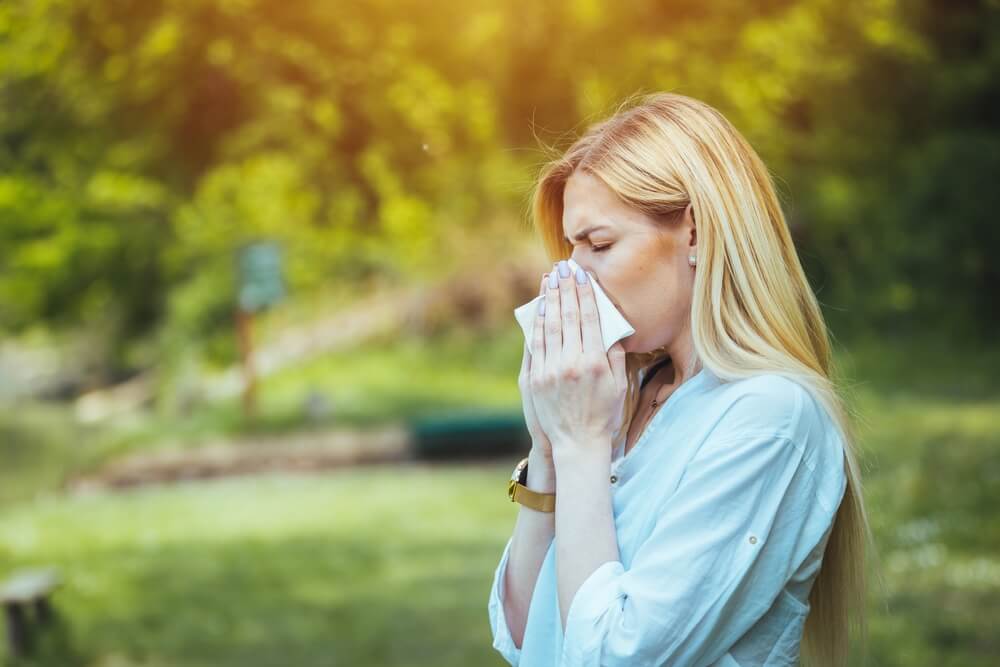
[141,142]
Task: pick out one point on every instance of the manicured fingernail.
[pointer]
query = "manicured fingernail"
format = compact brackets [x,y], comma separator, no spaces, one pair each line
[563,269]
[581,275]
[553,280]
[541,307]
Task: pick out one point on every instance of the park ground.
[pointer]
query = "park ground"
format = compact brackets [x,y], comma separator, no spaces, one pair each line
[391,564]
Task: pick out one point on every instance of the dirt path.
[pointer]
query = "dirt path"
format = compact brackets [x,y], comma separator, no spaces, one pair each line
[306,451]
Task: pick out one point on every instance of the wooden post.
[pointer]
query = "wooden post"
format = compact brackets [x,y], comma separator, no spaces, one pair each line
[17,629]
[44,613]
[244,331]
[27,590]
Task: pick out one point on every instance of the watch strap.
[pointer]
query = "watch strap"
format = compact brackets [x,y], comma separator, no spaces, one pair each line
[518,492]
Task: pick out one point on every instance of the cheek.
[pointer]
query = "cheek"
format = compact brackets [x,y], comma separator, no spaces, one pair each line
[639,281]
[654,291]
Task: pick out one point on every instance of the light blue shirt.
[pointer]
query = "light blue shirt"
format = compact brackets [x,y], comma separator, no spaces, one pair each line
[722,510]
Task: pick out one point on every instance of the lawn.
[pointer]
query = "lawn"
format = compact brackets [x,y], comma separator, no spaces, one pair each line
[392,565]
[375,566]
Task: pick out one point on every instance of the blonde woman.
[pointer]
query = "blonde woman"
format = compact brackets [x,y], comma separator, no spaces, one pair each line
[692,495]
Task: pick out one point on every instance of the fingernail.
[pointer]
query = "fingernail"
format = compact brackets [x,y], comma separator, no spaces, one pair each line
[553,280]
[563,269]
[581,275]
[541,307]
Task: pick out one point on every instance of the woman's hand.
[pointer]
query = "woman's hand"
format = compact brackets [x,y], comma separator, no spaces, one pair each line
[578,390]
[539,441]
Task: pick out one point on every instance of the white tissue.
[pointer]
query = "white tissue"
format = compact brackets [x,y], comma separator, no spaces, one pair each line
[614,326]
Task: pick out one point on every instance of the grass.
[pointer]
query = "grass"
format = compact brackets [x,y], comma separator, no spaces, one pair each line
[391,565]
[932,485]
[375,566]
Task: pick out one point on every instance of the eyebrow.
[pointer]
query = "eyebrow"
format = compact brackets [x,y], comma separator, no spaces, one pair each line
[579,236]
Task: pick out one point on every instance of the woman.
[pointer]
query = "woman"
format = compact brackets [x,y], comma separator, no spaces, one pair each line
[694,512]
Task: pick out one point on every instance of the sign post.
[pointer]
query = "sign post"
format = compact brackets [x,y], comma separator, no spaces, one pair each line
[260,286]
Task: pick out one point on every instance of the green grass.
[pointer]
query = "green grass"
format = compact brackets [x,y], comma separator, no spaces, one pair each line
[932,490]
[391,566]
[375,566]
[393,378]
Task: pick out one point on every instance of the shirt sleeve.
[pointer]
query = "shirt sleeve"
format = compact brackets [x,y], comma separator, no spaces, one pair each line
[721,549]
[502,641]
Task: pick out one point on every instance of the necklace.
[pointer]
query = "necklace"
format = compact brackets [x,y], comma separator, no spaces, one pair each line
[652,372]
[656,402]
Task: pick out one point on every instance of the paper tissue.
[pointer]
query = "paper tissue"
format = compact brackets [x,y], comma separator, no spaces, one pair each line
[614,326]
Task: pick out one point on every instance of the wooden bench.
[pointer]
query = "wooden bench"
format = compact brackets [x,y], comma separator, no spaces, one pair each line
[475,433]
[25,599]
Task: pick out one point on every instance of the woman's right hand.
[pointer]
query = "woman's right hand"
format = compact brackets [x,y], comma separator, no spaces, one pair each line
[539,441]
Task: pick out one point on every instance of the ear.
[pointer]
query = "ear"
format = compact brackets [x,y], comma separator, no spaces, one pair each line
[690,227]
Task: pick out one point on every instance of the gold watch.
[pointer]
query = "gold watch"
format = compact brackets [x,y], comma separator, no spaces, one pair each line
[517,491]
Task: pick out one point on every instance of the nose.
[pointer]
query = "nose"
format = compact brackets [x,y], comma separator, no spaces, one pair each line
[583,266]
[580,264]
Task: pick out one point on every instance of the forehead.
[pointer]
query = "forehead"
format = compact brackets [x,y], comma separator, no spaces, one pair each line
[588,201]
[584,189]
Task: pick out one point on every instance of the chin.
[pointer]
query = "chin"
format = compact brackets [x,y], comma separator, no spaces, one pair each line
[631,344]
[628,343]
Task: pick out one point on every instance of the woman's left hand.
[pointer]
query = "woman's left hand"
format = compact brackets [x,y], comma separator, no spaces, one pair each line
[578,389]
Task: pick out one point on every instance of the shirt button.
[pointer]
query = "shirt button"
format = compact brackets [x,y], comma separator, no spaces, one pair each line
[753,539]
[614,478]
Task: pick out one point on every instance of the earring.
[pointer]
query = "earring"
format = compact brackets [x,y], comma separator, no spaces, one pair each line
[692,260]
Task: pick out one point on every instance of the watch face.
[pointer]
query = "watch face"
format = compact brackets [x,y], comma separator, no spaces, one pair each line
[519,470]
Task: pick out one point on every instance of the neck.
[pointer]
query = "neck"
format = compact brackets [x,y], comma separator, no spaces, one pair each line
[682,357]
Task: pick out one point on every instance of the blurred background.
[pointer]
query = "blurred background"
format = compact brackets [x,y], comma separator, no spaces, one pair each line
[258,266]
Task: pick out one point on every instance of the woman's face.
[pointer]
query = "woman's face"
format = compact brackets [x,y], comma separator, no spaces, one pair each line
[640,263]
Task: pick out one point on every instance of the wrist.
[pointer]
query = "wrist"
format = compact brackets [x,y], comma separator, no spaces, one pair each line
[542,453]
[586,458]
[541,473]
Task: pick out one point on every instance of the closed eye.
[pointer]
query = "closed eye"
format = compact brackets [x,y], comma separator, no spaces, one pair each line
[600,248]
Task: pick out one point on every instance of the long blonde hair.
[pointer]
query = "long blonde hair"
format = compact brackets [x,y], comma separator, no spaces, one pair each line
[752,307]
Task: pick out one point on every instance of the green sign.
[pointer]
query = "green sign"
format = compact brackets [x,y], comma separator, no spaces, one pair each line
[260,281]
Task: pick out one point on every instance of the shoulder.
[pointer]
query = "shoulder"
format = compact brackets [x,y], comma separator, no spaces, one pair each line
[775,411]
[766,403]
